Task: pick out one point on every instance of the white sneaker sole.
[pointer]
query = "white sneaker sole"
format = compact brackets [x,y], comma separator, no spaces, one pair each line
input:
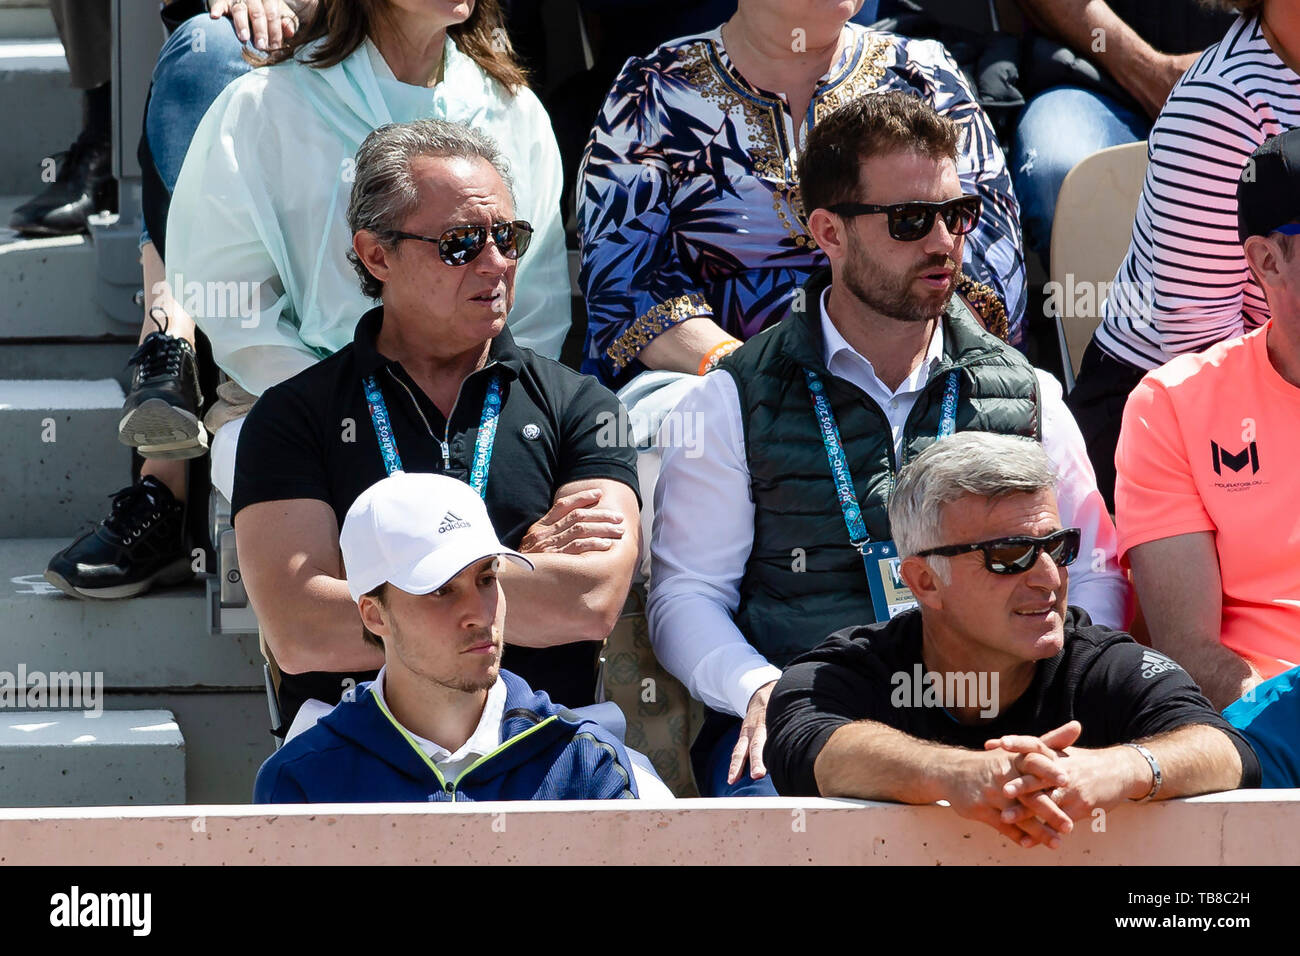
[159,430]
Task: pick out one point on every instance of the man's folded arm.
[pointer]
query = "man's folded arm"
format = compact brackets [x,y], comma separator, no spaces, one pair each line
[872,761]
[289,556]
[1138,694]
[1198,758]
[823,739]
[575,597]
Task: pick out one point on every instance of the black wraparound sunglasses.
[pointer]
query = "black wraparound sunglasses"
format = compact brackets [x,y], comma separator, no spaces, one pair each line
[1017,554]
[461,245]
[910,221]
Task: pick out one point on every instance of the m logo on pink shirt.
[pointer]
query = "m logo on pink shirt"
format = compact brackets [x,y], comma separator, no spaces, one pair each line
[1249,454]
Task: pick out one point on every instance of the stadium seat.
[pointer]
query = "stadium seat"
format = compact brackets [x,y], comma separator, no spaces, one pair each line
[1090,235]
[228,607]
[229,611]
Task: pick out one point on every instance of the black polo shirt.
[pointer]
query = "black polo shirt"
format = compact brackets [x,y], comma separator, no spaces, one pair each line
[1117,689]
[312,437]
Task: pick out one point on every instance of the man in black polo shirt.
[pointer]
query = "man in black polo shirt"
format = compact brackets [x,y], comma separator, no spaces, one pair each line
[991,694]
[434,382]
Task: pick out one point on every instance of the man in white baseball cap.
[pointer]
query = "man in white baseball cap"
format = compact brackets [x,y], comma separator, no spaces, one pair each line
[442,721]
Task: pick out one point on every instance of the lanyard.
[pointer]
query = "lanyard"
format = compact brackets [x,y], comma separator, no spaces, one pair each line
[858,536]
[487,431]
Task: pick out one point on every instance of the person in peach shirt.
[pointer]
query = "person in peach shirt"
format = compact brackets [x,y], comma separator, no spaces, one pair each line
[1206,490]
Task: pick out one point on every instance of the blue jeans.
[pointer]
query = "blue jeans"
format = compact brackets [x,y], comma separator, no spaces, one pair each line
[1270,721]
[194,66]
[715,783]
[1057,129]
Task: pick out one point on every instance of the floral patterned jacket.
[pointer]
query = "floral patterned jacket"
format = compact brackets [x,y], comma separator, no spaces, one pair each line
[689,202]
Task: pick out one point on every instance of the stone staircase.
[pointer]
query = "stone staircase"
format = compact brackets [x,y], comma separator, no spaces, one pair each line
[185,717]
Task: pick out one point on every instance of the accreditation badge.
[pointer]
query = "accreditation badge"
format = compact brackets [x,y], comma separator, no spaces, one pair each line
[889,595]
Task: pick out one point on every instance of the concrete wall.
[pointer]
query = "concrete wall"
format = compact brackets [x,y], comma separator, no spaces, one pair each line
[1241,828]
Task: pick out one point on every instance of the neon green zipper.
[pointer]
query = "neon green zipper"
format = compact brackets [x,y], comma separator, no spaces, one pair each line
[442,781]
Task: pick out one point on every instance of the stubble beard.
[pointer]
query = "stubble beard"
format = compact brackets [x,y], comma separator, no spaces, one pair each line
[468,685]
[474,685]
[890,294]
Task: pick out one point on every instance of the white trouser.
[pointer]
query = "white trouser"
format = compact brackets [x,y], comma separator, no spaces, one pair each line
[222,457]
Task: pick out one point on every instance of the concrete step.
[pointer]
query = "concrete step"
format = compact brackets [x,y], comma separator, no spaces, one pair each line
[68,359]
[75,758]
[48,289]
[60,457]
[227,737]
[41,110]
[156,642]
[25,19]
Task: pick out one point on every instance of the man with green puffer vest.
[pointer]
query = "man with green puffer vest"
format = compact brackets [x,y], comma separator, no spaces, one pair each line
[764,543]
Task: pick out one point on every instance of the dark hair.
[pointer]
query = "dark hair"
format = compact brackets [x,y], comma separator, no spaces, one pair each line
[344,25]
[380,594]
[830,168]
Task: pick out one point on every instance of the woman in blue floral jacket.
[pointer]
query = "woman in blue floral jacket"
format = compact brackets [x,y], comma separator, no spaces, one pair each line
[692,232]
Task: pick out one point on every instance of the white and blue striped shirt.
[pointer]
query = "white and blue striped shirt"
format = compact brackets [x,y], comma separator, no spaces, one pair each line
[1184,283]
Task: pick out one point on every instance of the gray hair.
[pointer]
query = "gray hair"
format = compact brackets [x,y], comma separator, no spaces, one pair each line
[384,192]
[968,463]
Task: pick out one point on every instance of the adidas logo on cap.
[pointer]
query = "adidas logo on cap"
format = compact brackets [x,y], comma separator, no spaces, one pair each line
[450,522]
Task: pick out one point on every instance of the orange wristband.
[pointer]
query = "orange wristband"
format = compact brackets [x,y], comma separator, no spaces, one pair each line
[717,353]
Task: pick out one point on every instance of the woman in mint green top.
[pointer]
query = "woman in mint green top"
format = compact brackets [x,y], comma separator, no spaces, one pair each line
[262,196]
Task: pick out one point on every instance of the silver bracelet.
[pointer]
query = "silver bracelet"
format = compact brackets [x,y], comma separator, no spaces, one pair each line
[1155,772]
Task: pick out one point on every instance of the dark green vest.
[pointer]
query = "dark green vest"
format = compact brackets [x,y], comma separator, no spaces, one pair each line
[803,579]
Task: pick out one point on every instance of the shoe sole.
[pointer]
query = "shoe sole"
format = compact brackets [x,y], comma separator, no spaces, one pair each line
[44,232]
[159,430]
[178,572]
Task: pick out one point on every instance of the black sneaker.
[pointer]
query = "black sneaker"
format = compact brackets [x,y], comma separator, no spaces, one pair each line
[83,185]
[141,543]
[160,417]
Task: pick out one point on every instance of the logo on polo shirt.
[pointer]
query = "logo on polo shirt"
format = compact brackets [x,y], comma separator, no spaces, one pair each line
[531,432]
[450,522]
[1236,462]
[1153,663]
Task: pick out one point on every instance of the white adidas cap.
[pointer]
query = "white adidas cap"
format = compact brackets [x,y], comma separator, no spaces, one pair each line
[416,532]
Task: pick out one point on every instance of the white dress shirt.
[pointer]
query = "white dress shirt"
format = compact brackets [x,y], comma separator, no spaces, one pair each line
[485,738]
[704,524]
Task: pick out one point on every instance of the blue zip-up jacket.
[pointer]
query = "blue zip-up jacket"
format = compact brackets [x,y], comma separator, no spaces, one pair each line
[359,754]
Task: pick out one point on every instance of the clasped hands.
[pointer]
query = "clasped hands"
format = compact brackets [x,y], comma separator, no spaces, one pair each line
[1033,789]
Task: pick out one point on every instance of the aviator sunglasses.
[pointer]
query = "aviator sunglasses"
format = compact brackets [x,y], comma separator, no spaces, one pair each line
[1019,553]
[461,245]
[910,221]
